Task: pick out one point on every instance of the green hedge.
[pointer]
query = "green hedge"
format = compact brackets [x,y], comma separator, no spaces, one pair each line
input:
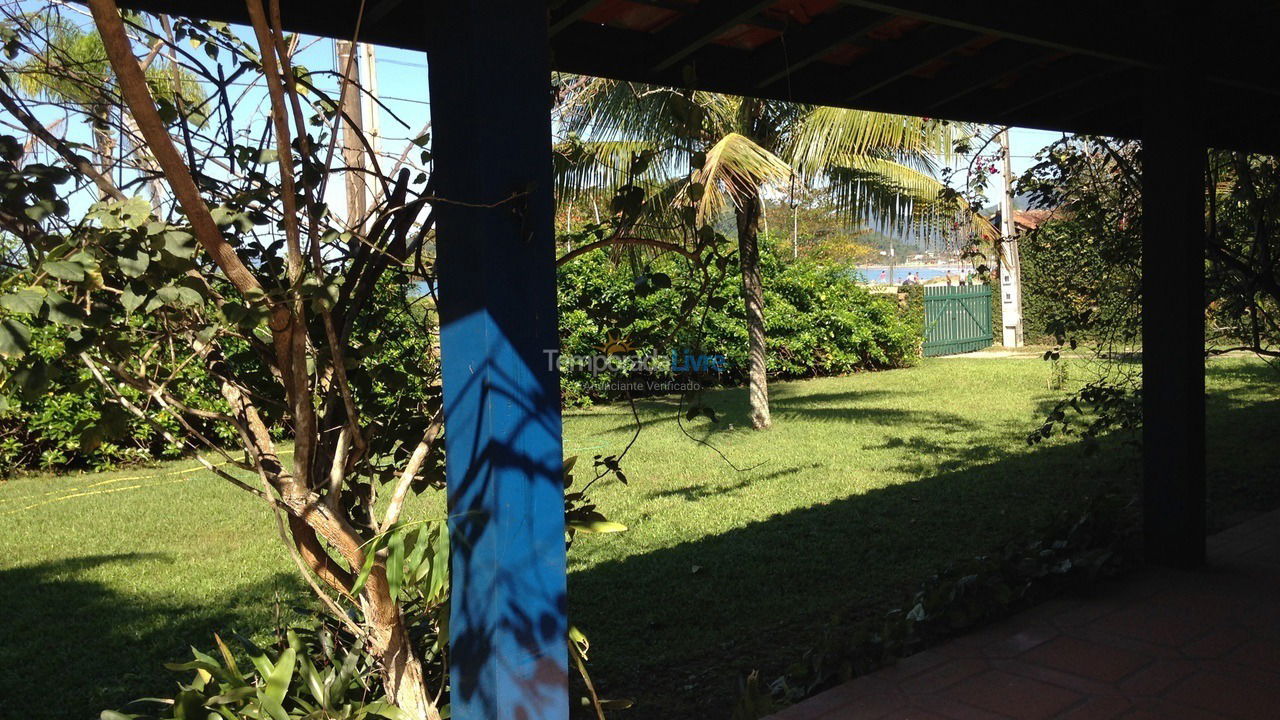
[1073,285]
[54,416]
[65,420]
[818,320]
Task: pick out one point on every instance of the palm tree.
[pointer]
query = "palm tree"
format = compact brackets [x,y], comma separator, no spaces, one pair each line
[72,69]
[872,166]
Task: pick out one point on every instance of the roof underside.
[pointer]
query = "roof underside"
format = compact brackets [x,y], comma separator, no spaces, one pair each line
[1074,66]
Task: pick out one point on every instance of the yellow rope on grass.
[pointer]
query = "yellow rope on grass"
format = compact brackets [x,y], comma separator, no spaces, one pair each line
[86,490]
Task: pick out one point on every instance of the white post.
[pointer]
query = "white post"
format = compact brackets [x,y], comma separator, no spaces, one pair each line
[1010,267]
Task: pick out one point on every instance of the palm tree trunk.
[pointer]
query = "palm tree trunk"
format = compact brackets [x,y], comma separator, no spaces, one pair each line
[748,215]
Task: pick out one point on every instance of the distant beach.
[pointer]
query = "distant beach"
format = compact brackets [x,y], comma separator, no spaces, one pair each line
[871,273]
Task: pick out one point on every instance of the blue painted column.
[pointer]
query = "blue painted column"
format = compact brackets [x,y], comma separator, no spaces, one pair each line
[490,110]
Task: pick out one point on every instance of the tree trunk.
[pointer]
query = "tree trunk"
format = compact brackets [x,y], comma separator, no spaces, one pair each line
[748,215]
[103,145]
[399,666]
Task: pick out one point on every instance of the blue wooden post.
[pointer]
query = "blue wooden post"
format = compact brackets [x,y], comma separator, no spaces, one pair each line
[490,108]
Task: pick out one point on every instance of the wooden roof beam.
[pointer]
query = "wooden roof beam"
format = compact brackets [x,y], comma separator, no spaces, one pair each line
[1081,32]
[703,23]
[900,58]
[1047,89]
[971,73]
[569,12]
[801,45]
[994,77]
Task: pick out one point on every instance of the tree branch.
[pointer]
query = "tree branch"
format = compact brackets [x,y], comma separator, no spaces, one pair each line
[38,130]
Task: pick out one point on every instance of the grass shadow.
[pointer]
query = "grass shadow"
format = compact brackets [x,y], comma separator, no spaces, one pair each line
[688,619]
[72,646]
[678,626]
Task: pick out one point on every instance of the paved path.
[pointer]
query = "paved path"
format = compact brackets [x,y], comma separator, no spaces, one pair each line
[1162,644]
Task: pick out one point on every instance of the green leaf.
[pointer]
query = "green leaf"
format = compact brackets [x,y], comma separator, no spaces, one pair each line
[134,295]
[63,311]
[382,709]
[135,211]
[65,270]
[204,665]
[33,379]
[232,696]
[369,558]
[133,261]
[278,682]
[15,338]
[395,562]
[26,302]
[178,296]
[325,297]
[180,243]
[438,585]
[90,440]
[234,312]
[41,210]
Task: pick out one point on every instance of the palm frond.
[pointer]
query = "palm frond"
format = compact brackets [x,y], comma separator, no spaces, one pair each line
[892,196]
[603,109]
[830,136]
[585,168]
[735,169]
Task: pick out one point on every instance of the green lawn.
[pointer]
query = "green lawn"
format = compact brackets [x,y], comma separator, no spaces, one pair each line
[866,484]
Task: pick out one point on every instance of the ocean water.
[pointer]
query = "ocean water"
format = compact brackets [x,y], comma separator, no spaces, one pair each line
[871,273]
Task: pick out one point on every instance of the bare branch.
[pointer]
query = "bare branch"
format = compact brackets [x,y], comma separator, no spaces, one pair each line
[420,454]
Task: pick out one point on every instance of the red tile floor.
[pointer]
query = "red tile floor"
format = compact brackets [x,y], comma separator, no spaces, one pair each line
[1161,644]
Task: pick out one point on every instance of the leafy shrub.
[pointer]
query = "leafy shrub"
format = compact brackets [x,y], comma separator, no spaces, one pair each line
[55,416]
[323,670]
[313,674]
[1075,285]
[818,319]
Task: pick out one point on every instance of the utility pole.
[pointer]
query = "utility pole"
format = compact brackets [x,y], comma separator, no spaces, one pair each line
[369,110]
[1010,266]
[349,66]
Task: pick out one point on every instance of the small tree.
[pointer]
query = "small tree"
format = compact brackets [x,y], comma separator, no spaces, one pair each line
[239,268]
[68,66]
[243,271]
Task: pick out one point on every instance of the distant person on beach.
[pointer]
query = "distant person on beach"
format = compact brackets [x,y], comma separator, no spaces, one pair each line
[883,276]
[951,279]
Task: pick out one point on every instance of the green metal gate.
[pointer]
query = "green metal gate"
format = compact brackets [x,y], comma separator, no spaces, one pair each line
[956,319]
